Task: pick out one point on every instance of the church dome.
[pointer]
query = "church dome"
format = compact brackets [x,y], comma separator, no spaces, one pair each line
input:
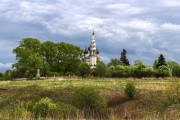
[86,51]
[89,48]
[97,51]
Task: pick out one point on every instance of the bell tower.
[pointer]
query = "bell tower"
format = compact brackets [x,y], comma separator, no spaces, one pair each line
[92,54]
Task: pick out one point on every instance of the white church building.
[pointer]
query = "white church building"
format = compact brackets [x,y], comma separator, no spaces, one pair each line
[91,53]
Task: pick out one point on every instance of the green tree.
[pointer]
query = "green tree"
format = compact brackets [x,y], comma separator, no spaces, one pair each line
[174,67]
[68,57]
[1,74]
[138,69]
[161,61]
[8,75]
[123,58]
[163,71]
[83,69]
[120,71]
[27,56]
[48,51]
[111,71]
[100,69]
[155,64]
[114,62]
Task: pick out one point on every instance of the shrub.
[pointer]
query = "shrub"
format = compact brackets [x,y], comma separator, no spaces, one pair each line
[170,96]
[83,69]
[100,70]
[53,74]
[88,98]
[130,90]
[111,71]
[29,74]
[163,71]
[44,107]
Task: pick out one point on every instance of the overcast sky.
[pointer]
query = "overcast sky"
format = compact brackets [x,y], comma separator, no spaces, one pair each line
[145,28]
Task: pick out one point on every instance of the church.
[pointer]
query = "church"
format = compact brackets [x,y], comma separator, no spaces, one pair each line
[91,53]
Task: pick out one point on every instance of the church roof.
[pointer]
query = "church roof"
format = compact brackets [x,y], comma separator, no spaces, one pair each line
[86,51]
[97,51]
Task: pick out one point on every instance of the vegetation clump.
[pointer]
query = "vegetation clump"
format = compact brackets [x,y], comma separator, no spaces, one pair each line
[130,90]
[88,98]
[44,107]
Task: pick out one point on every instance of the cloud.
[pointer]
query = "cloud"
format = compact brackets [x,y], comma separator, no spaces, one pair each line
[5,66]
[171,27]
[144,28]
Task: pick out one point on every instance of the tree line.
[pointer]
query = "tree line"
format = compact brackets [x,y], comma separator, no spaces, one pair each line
[55,59]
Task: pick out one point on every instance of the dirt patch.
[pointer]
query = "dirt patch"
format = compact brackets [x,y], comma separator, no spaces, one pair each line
[117,100]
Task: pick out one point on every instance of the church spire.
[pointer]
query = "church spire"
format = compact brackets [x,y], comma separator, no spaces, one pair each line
[91,54]
[93,32]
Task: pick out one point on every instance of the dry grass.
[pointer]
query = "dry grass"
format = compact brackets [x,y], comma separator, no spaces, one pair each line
[144,106]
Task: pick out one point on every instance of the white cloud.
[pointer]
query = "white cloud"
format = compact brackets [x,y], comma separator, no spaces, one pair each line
[172,3]
[5,66]
[171,27]
[145,28]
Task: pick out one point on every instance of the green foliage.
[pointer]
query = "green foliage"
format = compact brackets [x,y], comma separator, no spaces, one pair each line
[148,72]
[83,69]
[141,70]
[68,57]
[27,56]
[111,71]
[30,74]
[163,71]
[123,71]
[176,71]
[60,57]
[174,67]
[100,70]
[123,58]
[161,61]
[44,107]
[114,62]
[51,74]
[170,96]
[88,98]
[1,74]
[9,74]
[155,64]
[130,90]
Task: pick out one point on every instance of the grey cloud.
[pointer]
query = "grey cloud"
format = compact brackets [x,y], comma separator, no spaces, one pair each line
[144,28]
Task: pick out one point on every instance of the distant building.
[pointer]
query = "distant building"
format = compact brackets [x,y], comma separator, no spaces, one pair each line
[91,53]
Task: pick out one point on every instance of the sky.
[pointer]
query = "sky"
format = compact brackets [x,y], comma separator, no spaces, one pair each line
[145,28]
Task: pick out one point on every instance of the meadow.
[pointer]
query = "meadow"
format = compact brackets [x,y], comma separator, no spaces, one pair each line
[149,103]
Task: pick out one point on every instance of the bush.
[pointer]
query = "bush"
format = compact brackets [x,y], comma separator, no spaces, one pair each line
[83,69]
[88,98]
[163,71]
[51,74]
[44,107]
[130,90]
[30,74]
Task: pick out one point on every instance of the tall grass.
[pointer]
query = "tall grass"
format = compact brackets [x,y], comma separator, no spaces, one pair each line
[144,106]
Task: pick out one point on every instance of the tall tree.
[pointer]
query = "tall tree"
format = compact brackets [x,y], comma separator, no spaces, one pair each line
[27,56]
[68,57]
[161,61]
[48,51]
[123,58]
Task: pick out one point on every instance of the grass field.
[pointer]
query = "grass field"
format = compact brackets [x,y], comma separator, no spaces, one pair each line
[146,105]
